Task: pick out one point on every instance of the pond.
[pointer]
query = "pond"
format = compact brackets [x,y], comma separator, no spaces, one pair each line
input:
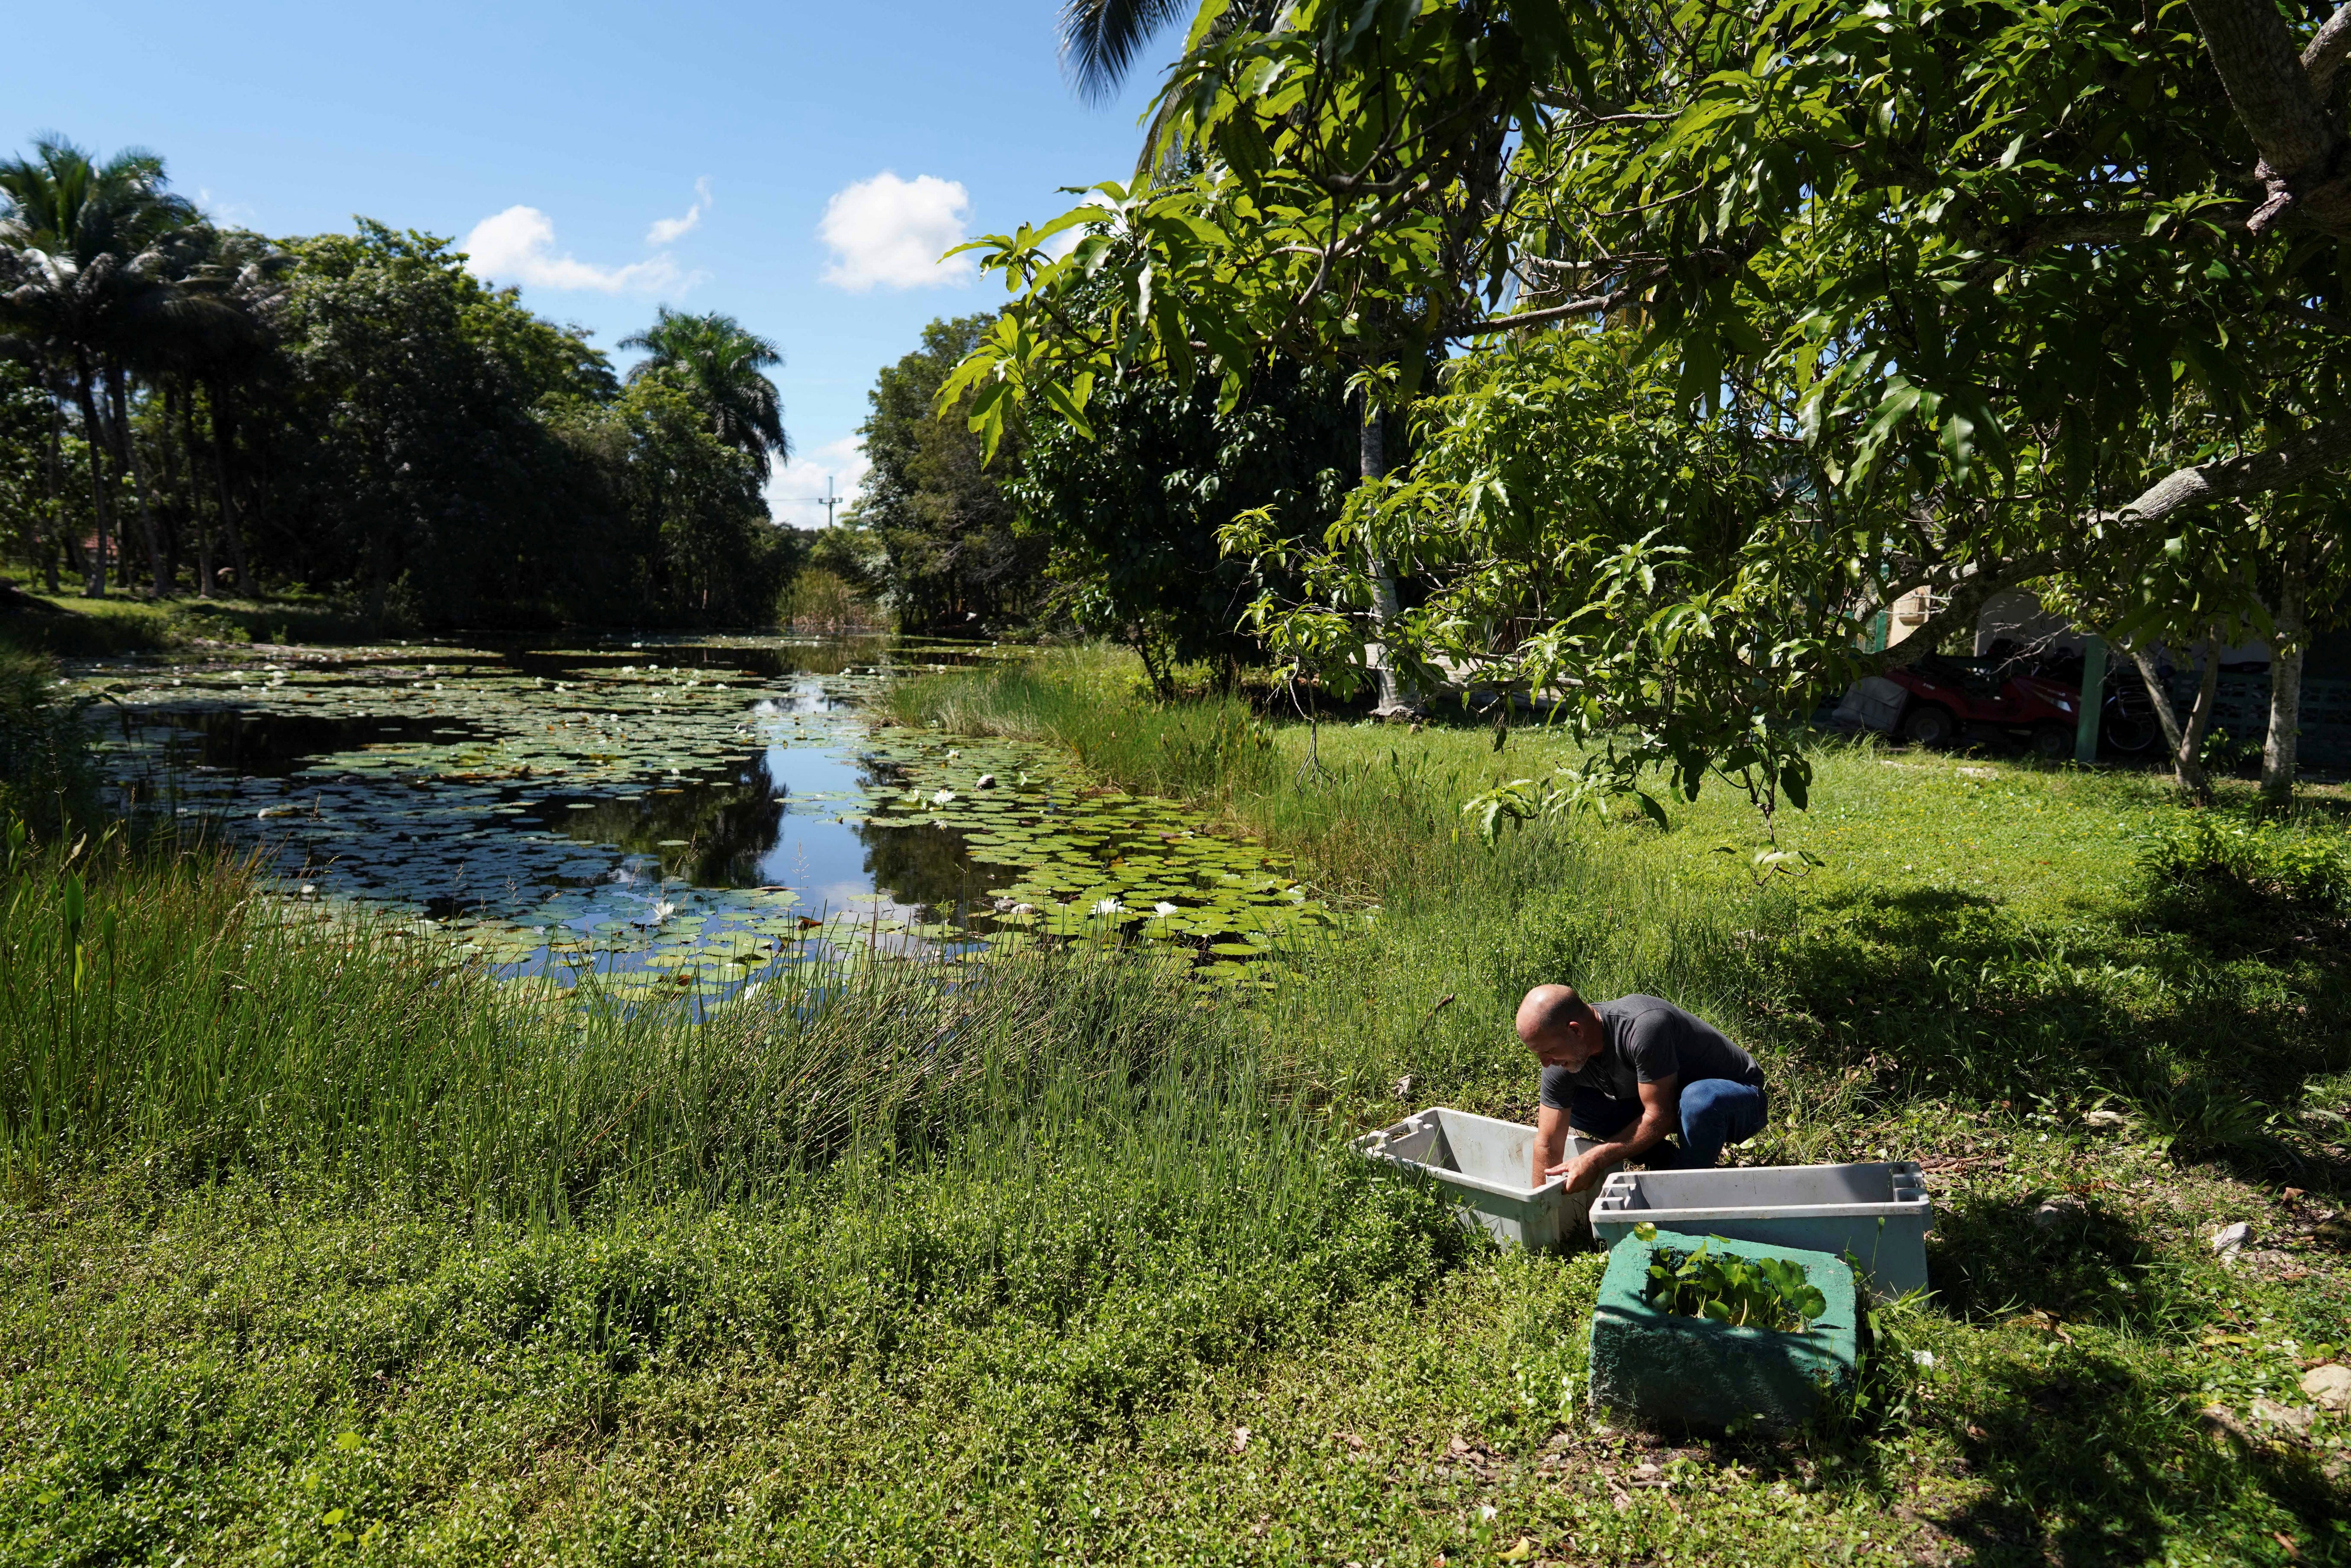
[665,813]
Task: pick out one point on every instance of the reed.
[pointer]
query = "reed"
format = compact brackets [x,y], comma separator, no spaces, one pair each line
[160,1008]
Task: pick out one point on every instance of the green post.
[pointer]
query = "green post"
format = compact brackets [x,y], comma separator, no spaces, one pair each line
[2093,692]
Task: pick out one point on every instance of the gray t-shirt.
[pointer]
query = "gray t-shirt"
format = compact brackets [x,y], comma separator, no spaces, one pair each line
[1649,1038]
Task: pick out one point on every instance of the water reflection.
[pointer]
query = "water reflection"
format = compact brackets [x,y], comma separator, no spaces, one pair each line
[535,771]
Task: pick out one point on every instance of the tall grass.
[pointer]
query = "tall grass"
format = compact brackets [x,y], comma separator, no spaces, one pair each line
[47,776]
[162,1010]
[1101,710]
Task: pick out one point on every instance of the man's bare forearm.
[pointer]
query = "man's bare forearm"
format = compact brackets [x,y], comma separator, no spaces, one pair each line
[1647,1134]
[1547,1153]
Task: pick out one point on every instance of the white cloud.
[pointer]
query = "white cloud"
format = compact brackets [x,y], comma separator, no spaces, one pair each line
[666,230]
[518,246]
[892,231]
[795,491]
[223,211]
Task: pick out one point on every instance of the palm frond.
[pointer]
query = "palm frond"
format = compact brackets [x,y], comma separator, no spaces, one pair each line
[1100,40]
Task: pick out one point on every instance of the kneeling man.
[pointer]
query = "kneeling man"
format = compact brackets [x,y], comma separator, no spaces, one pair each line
[1626,1073]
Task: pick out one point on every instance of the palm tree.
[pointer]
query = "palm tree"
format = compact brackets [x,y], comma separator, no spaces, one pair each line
[1100,41]
[85,265]
[724,364]
[239,280]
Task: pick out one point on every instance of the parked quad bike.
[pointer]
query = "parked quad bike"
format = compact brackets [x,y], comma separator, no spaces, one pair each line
[2034,700]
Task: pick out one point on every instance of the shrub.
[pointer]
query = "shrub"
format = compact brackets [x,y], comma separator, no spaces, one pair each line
[2209,855]
[818,600]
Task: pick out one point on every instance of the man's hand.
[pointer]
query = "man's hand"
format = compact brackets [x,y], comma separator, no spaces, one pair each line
[1585,1169]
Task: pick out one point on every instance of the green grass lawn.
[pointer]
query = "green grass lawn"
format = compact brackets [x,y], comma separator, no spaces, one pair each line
[322,1252]
[71,625]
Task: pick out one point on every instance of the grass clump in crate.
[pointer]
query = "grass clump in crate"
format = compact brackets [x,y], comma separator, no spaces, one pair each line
[1744,1293]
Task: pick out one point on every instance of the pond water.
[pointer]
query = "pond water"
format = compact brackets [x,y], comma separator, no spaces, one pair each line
[666,812]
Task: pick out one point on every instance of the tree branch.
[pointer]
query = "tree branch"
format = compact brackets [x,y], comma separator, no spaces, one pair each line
[1964,601]
[1590,305]
[2325,52]
[2310,316]
[2269,88]
[2305,456]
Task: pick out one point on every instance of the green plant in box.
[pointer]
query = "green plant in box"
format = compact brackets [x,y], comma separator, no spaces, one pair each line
[1746,1292]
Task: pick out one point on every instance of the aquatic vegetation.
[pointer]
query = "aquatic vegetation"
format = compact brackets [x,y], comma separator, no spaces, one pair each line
[670,814]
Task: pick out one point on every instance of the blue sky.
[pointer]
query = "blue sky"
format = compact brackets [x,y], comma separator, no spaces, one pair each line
[607,158]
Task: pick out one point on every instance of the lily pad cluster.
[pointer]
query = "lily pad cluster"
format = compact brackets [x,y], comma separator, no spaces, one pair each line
[625,812]
[1084,862]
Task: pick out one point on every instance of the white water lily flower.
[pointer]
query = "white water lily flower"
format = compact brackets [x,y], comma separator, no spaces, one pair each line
[1163,907]
[1024,909]
[943,797]
[1108,906]
[952,754]
[987,781]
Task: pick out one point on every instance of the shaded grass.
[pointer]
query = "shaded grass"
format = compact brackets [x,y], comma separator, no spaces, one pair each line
[70,625]
[1072,1363]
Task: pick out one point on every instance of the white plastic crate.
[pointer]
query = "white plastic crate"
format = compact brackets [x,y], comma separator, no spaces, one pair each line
[1877,1212]
[1485,1164]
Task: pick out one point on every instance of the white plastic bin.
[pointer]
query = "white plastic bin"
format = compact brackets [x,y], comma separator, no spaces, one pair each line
[1485,1163]
[1877,1211]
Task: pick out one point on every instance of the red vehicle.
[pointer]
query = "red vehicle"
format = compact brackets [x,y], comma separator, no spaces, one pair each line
[1950,696]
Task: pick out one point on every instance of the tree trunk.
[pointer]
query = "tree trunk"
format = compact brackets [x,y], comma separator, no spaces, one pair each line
[57,494]
[204,541]
[94,435]
[2281,750]
[229,529]
[2186,738]
[159,585]
[173,495]
[1372,463]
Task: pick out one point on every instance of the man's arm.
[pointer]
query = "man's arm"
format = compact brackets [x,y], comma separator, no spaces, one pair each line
[1660,1115]
[1551,1141]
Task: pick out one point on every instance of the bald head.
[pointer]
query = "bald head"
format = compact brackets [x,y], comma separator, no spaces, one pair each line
[1558,1026]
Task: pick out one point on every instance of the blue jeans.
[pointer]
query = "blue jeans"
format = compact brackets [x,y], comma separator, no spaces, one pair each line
[1714,1111]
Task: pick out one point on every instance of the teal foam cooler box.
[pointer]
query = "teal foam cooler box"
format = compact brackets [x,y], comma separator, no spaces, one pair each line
[1670,1369]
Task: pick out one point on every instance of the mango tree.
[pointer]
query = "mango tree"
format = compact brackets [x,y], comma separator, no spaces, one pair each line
[1984,278]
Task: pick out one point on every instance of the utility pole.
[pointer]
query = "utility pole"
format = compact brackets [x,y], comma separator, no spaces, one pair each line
[2094,699]
[829,499]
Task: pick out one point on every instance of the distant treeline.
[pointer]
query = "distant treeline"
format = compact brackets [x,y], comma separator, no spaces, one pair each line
[190,409]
